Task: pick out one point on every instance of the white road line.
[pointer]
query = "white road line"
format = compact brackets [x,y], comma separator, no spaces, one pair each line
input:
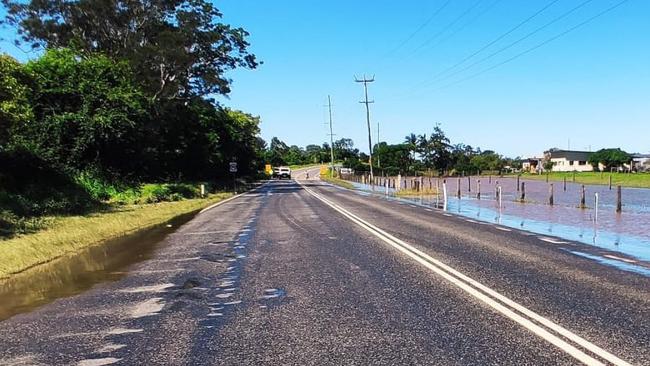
[98,361]
[232,198]
[619,258]
[551,240]
[500,303]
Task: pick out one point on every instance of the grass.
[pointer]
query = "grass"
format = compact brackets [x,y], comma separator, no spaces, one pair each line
[66,235]
[415,193]
[637,180]
[337,181]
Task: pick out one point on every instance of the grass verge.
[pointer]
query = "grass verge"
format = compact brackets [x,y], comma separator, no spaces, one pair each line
[415,193]
[337,181]
[67,234]
[636,180]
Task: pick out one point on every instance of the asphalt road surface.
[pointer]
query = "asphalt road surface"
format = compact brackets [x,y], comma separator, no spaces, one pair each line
[305,273]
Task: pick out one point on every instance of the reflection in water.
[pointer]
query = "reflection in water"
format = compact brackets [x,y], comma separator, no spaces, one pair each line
[76,273]
[627,232]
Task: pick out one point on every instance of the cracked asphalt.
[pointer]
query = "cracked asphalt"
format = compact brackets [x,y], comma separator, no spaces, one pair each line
[278,277]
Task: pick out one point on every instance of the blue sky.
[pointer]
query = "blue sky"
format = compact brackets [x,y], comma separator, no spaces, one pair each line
[591,85]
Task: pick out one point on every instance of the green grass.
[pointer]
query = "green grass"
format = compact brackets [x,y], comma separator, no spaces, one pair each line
[415,193]
[337,181]
[637,180]
[64,235]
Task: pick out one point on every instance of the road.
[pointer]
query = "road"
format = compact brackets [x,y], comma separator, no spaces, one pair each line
[305,273]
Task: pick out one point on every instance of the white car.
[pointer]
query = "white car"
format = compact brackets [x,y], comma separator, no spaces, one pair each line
[282,172]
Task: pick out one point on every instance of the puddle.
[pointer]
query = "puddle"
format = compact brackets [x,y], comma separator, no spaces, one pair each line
[77,273]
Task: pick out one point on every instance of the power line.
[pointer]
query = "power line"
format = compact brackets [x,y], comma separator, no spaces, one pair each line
[500,37]
[419,29]
[549,40]
[449,25]
[367,103]
[459,29]
[537,30]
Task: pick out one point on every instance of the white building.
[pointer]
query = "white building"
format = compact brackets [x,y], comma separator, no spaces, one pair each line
[569,161]
[641,162]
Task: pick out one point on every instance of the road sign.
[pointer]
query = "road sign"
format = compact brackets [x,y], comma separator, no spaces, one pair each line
[233,167]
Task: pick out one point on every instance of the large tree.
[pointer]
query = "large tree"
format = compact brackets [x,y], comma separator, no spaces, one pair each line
[609,158]
[177,48]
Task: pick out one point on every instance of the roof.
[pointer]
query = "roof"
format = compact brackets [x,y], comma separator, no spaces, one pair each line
[570,155]
[641,156]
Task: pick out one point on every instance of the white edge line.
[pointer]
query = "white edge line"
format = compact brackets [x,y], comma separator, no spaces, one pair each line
[232,198]
[440,268]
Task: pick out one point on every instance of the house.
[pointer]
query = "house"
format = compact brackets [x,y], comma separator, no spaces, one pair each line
[532,165]
[641,162]
[569,160]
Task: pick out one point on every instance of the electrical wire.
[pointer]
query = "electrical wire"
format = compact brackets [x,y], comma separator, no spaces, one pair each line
[497,39]
[530,34]
[449,25]
[541,44]
[419,29]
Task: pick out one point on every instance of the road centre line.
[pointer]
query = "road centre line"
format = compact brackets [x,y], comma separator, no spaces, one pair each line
[498,302]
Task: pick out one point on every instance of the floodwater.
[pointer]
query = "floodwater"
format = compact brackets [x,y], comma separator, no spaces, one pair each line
[77,273]
[627,232]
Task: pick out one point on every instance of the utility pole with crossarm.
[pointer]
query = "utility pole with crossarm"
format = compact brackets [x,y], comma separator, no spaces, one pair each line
[365,82]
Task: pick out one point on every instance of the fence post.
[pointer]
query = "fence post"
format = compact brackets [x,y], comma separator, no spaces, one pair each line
[610,181]
[565,183]
[518,182]
[596,208]
[478,192]
[619,202]
[444,195]
[550,194]
[458,191]
[399,182]
[582,197]
[523,191]
[469,184]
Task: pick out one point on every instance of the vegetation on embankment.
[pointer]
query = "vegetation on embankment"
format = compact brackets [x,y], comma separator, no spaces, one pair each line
[634,180]
[66,235]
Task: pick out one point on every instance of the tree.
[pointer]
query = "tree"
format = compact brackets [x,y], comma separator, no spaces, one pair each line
[610,158]
[436,152]
[411,140]
[177,48]
[15,109]
[344,149]
[276,152]
[488,160]
[314,154]
[88,113]
[394,158]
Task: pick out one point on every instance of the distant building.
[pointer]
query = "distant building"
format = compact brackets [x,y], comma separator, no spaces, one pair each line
[641,162]
[569,161]
[532,165]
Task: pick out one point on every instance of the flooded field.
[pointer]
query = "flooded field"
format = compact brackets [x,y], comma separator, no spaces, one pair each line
[76,273]
[626,232]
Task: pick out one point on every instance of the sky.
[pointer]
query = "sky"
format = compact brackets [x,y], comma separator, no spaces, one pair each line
[517,77]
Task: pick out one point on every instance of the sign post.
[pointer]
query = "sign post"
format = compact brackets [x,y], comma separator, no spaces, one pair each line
[233,170]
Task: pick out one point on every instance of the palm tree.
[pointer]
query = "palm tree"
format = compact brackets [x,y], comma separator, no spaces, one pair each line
[412,141]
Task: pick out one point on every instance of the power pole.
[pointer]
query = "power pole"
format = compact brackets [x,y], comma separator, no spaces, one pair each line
[367,103]
[329,106]
[378,158]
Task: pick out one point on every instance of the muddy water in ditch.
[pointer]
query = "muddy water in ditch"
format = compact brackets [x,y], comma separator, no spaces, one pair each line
[77,273]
